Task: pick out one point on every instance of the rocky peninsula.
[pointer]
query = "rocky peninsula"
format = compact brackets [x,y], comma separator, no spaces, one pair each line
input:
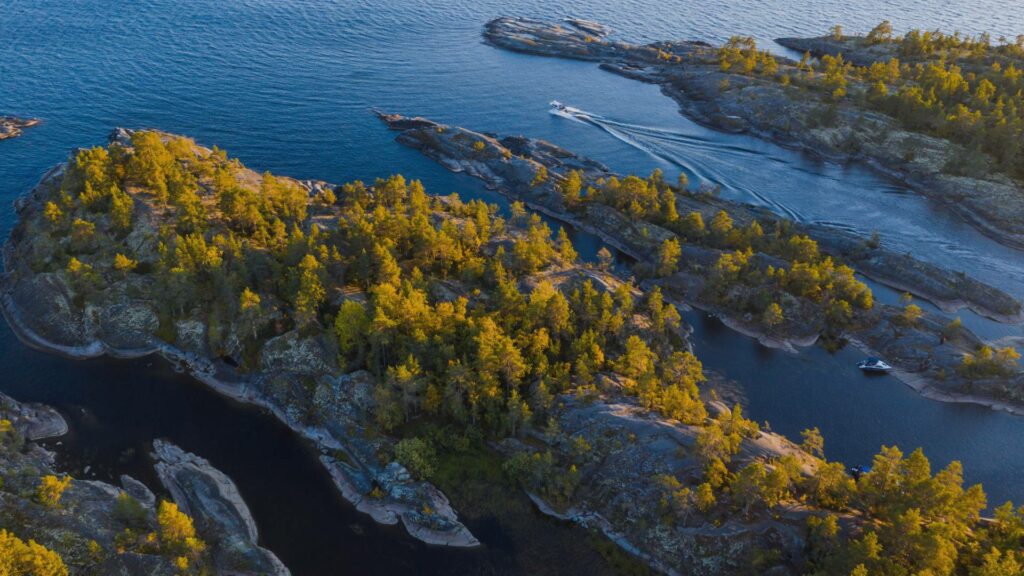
[47,310]
[213,501]
[399,331]
[12,126]
[94,527]
[50,311]
[33,422]
[928,349]
[786,102]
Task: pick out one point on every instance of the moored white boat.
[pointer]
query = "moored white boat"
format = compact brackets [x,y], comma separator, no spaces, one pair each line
[874,365]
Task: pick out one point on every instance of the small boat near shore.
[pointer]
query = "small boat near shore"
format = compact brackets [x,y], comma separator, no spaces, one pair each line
[874,365]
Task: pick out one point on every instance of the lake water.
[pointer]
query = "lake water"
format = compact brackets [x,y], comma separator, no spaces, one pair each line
[287,86]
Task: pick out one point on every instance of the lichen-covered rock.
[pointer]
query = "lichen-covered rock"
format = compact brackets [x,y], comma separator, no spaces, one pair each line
[33,421]
[929,354]
[139,491]
[291,352]
[344,398]
[191,335]
[45,306]
[128,325]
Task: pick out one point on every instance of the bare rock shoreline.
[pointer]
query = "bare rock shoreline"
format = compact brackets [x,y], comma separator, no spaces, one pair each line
[343,474]
[33,421]
[213,501]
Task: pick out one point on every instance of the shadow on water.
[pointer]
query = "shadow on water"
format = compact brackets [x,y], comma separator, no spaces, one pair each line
[115,408]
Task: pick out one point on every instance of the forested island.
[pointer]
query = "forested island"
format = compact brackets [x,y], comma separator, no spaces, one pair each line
[788,284]
[12,126]
[942,113]
[404,332]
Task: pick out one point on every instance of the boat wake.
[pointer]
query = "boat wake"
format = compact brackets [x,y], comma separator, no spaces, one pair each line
[570,113]
[700,159]
[809,191]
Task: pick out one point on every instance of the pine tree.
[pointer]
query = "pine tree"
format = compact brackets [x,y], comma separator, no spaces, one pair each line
[570,189]
[18,557]
[721,224]
[668,206]
[176,531]
[350,327]
[772,316]
[540,176]
[54,214]
[123,263]
[813,443]
[51,489]
[692,226]
[388,271]
[518,413]
[565,249]
[311,293]
[668,257]
[249,306]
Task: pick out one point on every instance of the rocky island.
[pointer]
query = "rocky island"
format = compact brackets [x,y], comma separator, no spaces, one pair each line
[878,99]
[54,525]
[116,310]
[213,501]
[12,126]
[400,331]
[732,266]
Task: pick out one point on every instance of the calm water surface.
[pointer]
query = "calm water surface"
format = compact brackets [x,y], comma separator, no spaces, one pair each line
[286,86]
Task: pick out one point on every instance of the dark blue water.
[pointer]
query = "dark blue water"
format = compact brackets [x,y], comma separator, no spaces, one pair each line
[286,86]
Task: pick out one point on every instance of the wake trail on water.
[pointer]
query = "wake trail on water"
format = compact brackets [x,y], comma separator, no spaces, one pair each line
[694,155]
[730,166]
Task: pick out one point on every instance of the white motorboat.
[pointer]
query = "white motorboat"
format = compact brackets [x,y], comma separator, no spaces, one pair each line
[559,109]
[874,365]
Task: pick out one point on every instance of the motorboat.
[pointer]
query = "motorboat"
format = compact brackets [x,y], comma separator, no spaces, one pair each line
[559,109]
[570,113]
[874,365]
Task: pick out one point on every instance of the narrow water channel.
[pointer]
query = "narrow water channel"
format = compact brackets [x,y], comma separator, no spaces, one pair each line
[115,408]
[856,413]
